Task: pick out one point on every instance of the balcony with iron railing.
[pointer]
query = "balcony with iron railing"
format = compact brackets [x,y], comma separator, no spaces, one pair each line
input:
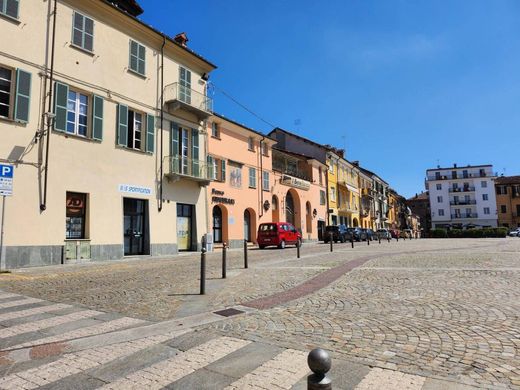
[178,96]
[177,167]
[347,207]
[462,189]
[462,202]
[282,167]
[464,215]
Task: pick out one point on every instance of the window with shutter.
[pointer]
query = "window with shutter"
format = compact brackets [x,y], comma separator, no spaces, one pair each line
[83,32]
[61,94]
[135,129]
[150,133]
[97,118]
[252,178]
[195,153]
[15,91]
[23,95]
[9,8]
[137,57]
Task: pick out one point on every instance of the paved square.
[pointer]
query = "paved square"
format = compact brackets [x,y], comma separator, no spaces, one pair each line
[421,314]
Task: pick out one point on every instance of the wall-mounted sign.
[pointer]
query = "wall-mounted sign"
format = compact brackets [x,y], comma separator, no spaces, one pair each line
[135,189]
[6,179]
[267,205]
[295,182]
[218,197]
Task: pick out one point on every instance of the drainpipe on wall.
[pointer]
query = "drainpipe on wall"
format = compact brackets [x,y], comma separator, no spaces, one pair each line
[261,181]
[43,205]
[161,173]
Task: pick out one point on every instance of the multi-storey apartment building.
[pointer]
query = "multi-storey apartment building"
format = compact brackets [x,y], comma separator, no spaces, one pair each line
[367,206]
[103,119]
[378,199]
[462,196]
[508,200]
[348,193]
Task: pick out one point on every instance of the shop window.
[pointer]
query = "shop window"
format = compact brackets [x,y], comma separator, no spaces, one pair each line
[75,220]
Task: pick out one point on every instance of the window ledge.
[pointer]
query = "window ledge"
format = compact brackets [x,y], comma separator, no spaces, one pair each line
[12,121]
[75,136]
[10,18]
[142,152]
[251,150]
[215,137]
[74,46]
[136,73]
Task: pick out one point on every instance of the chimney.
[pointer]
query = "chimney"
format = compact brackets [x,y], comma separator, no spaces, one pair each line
[181,38]
[356,163]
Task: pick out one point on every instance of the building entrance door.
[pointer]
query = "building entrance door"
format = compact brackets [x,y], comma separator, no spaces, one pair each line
[184,226]
[135,225]
[247,225]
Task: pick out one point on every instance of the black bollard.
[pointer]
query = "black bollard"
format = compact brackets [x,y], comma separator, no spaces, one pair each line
[379,238]
[203,271]
[224,259]
[352,241]
[298,249]
[319,362]
[245,253]
[331,242]
[368,240]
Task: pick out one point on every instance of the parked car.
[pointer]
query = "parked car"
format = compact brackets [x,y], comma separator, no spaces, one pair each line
[370,234]
[277,234]
[384,234]
[514,233]
[358,234]
[339,233]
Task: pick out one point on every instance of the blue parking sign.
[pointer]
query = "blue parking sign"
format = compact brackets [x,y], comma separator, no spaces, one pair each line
[6,179]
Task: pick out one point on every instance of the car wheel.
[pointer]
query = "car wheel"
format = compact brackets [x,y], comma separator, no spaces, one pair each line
[282,245]
[261,246]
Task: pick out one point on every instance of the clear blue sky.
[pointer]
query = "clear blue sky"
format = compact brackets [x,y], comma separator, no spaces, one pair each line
[400,84]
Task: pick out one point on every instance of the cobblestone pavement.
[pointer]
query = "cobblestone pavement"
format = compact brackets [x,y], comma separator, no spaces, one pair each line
[421,314]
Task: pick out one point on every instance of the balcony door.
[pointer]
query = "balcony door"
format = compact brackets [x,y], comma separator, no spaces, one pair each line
[184,85]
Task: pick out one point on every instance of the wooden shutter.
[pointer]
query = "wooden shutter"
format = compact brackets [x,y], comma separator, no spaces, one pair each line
[133,56]
[61,95]
[97,117]
[174,144]
[150,133]
[223,170]
[122,125]
[195,152]
[141,56]
[23,95]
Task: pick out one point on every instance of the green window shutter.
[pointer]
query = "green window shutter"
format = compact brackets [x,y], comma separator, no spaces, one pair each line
[61,95]
[97,118]
[150,133]
[23,95]
[223,170]
[133,56]
[195,152]
[174,144]
[122,125]
[141,62]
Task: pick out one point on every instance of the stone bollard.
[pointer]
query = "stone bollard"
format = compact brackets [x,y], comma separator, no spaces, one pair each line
[319,362]
[224,260]
[331,242]
[245,253]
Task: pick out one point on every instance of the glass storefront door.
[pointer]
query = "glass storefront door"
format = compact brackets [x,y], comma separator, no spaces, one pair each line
[135,225]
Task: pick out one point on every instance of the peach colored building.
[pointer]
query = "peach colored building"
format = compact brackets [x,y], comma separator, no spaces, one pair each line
[252,183]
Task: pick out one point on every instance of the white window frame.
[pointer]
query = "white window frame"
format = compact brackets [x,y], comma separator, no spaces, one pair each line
[439,199]
[215,131]
[440,212]
[485,197]
[76,112]
[332,194]
[138,60]
[265,181]
[487,211]
[251,144]
[439,186]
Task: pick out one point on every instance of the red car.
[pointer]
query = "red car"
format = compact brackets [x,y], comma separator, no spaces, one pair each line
[278,234]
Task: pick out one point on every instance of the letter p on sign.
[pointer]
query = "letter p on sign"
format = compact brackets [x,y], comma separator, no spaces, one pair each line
[6,171]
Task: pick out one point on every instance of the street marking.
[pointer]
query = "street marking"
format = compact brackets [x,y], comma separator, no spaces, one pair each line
[378,378]
[93,330]
[4,295]
[29,312]
[75,363]
[281,372]
[170,370]
[20,302]
[46,323]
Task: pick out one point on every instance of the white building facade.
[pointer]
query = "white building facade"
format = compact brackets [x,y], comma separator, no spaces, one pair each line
[462,197]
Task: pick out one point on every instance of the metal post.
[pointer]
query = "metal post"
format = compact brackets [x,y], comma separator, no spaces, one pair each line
[2,260]
[368,240]
[203,271]
[331,242]
[379,238]
[245,253]
[352,240]
[224,258]
[319,362]
[298,249]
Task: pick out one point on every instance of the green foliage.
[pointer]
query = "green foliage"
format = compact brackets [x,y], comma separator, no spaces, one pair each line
[469,233]
[438,233]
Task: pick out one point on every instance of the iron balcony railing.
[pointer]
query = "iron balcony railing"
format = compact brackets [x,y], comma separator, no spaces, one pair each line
[190,168]
[464,215]
[462,189]
[462,202]
[177,92]
[281,167]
